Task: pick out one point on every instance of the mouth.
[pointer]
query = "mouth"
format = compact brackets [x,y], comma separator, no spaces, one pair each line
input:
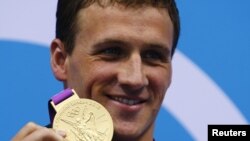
[126,101]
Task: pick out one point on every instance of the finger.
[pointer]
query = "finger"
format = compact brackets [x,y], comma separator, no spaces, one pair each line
[61,133]
[45,134]
[32,131]
[25,131]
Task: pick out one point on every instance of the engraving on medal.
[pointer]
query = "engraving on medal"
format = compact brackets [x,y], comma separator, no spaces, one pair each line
[84,120]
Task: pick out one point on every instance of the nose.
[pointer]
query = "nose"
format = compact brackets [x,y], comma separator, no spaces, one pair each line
[132,74]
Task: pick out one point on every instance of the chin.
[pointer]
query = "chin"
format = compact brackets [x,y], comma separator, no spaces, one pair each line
[129,132]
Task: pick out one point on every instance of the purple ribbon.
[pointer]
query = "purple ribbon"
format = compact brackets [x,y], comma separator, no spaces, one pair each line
[62,96]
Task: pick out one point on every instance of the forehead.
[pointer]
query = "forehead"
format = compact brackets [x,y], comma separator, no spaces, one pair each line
[118,10]
[121,20]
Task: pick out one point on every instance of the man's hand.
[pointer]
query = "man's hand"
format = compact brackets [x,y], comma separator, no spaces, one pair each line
[34,132]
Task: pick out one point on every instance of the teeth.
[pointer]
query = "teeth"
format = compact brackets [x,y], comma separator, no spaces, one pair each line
[126,101]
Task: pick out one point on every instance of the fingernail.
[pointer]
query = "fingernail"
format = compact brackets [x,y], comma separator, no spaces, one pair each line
[61,133]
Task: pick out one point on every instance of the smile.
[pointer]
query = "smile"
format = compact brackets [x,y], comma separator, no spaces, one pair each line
[126,101]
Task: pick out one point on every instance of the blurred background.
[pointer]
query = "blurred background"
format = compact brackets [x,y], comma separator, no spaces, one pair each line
[211,68]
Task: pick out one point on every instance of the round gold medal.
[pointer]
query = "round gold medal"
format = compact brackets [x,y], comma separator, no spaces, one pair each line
[84,120]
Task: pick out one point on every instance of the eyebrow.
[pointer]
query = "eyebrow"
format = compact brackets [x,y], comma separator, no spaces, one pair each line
[111,42]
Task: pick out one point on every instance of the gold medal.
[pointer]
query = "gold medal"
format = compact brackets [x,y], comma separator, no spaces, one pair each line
[83,120]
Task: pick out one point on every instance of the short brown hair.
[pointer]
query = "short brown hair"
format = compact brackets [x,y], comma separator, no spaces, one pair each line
[67,11]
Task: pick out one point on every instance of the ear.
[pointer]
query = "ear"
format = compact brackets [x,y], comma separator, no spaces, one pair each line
[58,60]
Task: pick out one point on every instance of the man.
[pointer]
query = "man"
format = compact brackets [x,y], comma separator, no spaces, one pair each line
[117,53]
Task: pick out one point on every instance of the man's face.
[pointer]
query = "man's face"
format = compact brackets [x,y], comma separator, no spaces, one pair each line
[122,59]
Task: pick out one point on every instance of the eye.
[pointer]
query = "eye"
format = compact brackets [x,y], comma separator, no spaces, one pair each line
[153,56]
[111,53]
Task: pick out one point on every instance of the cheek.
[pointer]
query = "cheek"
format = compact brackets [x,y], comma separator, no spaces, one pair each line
[100,71]
[100,75]
[160,81]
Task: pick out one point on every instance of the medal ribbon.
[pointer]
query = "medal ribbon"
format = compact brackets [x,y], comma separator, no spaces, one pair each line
[58,98]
